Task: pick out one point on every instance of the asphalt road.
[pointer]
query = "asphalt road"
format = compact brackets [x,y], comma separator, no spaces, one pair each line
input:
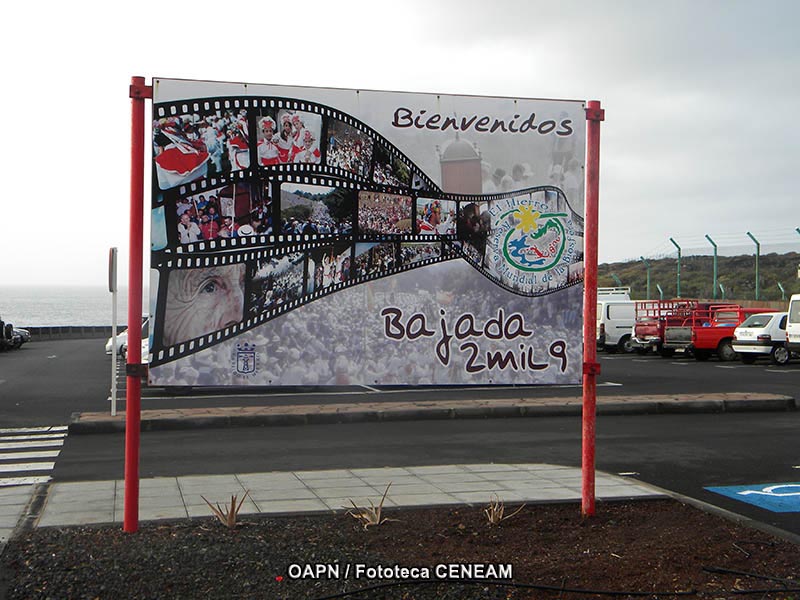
[44,382]
[681,453]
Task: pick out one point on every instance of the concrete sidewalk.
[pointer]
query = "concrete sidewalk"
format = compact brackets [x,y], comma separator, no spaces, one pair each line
[355,412]
[82,503]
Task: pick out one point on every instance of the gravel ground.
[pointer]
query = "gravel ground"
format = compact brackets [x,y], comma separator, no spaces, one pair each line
[644,546]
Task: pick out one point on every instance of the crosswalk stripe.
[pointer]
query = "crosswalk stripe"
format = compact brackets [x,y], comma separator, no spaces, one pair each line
[20,451]
[42,444]
[44,436]
[52,429]
[39,466]
[9,481]
[19,455]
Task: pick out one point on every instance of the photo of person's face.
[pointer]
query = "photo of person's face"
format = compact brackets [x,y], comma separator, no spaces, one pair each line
[200,301]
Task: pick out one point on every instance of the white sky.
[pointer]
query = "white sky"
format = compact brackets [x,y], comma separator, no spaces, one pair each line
[702,133]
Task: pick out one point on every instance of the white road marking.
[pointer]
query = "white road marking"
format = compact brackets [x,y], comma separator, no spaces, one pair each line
[726,367]
[18,455]
[371,389]
[43,444]
[35,429]
[44,436]
[628,473]
[11,481]
[53,356]
[783,371]
[40,466]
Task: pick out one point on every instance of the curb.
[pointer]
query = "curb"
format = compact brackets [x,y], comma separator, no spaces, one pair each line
[728,514]
[427,413]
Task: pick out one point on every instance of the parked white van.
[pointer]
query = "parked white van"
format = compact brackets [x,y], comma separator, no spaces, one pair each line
[793,324]
[616,315]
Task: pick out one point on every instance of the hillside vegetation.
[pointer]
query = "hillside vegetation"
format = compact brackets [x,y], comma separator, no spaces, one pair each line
[735,273]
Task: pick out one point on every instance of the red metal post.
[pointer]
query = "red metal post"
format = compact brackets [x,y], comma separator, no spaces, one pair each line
[591,368]
[133,397]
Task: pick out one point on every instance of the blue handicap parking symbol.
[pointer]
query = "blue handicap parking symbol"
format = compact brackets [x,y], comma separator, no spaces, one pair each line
[775,497]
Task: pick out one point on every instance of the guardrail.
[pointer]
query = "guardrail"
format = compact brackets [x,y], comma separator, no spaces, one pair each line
[72,332]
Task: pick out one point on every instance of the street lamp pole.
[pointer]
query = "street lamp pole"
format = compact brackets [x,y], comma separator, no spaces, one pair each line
[714,286]
[758,253]
[647,266]
[674,243]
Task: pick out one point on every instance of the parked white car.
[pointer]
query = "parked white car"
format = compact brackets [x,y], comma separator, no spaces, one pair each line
[763,334]
[122,342]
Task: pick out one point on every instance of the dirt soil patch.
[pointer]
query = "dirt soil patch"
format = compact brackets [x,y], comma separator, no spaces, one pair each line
[643,549]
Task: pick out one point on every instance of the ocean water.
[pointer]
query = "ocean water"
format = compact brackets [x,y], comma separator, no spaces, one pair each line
[61,305]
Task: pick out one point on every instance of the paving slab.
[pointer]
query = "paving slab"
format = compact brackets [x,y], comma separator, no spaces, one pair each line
[78,503]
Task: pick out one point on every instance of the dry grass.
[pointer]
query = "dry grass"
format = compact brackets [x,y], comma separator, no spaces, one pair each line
[371,515]
[228,515]
[496,509]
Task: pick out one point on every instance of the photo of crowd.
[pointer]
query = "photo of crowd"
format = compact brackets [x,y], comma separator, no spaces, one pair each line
[286,137]
[220,212]
[383,214]
[436,217]
[348,148]
[276,281]
[190,147]
[201,301]
[313,209]
[389,170]
[411,252]
[327,266]
[372,259]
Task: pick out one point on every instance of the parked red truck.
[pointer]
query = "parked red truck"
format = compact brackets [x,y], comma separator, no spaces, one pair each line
[652,318]
[708,330]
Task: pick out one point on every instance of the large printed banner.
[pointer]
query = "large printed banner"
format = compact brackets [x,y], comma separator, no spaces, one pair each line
[308,236]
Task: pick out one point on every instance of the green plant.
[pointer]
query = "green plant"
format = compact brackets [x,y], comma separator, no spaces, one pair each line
[372,515]
[227,516]
[495,510]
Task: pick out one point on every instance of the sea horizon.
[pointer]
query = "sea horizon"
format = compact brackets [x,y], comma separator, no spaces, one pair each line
[41,305]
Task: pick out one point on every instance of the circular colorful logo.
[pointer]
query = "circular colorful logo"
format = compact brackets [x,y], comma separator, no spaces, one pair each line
[537,240]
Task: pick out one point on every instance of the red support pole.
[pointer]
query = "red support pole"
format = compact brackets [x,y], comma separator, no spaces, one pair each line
[133,397]
[591,368]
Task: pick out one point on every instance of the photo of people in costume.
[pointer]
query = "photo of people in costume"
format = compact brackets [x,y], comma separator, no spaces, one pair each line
[190,147]
[436,217]
[327,266]
[286,137]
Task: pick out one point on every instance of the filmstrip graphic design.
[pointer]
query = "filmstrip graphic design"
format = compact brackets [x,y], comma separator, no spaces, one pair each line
[263,205]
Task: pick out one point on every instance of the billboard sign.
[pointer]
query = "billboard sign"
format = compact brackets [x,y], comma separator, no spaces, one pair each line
[310,236]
